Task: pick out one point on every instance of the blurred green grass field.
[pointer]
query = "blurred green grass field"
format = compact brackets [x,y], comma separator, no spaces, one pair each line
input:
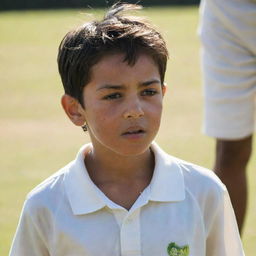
[37,139]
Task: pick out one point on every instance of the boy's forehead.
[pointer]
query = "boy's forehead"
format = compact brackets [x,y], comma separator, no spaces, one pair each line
[114,68]
[118,60]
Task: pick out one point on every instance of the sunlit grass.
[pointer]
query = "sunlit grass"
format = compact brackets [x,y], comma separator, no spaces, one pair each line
[36,137]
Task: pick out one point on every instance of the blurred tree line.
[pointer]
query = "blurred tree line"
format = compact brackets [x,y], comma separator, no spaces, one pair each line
[56,4]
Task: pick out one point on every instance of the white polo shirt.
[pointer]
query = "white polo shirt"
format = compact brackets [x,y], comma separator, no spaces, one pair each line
[185,211]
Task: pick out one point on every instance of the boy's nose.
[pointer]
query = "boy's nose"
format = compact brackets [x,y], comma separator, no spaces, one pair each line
[134,110]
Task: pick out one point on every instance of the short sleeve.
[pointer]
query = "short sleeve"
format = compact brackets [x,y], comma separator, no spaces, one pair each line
[223,236]
[28,240]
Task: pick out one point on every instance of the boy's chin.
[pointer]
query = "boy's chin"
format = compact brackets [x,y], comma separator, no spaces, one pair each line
[133,150]
[122,148]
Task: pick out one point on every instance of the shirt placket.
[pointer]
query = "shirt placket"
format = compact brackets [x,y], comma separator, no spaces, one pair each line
[130,238]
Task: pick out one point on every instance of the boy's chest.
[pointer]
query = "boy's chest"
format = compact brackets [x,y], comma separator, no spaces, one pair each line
[156,229]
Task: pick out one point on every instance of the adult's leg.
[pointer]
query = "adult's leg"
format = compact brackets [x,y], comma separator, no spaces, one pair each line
[230,165]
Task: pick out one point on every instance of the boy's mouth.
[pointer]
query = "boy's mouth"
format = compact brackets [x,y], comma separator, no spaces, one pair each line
[134,132]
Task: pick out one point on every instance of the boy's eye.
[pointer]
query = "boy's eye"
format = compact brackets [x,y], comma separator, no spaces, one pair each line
[112,96]
[149,92]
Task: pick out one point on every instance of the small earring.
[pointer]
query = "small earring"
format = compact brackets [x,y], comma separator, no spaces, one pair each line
[84,127]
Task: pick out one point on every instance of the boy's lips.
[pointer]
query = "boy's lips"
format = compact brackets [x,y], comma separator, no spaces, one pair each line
[134,132]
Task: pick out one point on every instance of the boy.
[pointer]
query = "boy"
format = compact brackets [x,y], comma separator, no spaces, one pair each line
[123,195]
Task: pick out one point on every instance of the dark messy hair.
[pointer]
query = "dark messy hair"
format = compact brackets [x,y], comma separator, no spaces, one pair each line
[85,46]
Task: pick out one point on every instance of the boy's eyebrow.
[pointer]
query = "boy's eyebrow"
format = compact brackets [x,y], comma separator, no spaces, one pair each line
[122,87]
[111,86]
[153,81]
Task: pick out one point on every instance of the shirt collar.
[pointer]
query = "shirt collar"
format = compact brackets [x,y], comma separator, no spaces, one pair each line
[167,184]
[84,196]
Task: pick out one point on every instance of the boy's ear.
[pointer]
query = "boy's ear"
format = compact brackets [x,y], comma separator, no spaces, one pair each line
[73,109]
[164,88]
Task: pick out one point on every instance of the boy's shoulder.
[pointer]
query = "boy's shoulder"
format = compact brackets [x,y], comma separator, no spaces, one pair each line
[203,184]
[62,189]
[50,192]
[56,183]
[191,172]
[198,183]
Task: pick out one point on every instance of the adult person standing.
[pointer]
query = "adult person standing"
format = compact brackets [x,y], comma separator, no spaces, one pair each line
[228,34]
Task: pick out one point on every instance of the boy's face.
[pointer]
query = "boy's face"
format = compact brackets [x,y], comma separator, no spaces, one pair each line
[123,104]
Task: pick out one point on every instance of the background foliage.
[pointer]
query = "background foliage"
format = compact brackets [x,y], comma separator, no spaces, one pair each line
[54,4]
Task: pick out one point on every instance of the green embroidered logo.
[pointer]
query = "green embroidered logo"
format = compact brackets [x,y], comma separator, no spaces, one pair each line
[174,250]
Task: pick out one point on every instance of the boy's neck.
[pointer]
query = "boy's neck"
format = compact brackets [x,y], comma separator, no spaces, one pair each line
[111,167]
[122,179]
